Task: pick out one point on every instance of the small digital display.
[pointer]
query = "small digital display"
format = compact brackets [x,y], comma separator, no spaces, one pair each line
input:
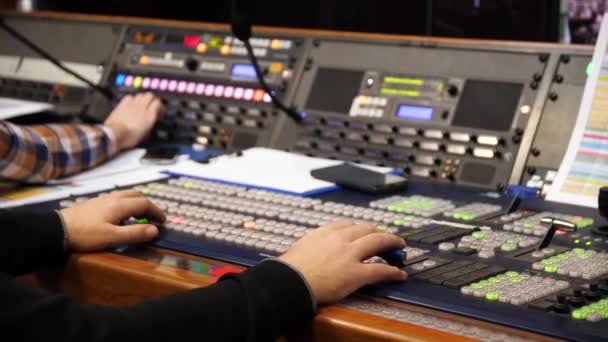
[243,70]
[415,112]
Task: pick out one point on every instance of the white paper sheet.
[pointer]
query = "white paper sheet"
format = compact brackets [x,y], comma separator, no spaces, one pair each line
[265,168]
[11,108]
[584,168]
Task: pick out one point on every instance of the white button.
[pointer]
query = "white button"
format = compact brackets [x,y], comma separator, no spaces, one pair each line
[383,101]
[286,44]
[446,246]
[404,142]
[202,140]
[487,140]
[463,137]
[550,176]
[421,171]
[483,153]
[425,160]
[377,139]
[204,129]
[456,149]
[259,52]
[407,131]
[429,146]
[432,133]
[383,128]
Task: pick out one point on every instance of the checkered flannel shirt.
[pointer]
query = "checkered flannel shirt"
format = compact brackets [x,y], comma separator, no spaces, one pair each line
[40,153]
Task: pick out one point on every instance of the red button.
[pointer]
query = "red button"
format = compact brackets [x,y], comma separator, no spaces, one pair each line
[220,271]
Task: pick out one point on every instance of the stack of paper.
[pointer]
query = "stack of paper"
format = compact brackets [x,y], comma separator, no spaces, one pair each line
[265,168]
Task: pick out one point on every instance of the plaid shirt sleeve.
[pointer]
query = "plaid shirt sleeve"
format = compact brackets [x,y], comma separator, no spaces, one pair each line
[43,152]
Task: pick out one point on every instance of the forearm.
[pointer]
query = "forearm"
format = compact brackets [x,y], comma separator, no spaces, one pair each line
[257,305]
[44,152]
[30,241]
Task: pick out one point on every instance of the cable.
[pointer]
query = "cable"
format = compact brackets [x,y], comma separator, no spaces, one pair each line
[241,29]
[297,117]
[103,91]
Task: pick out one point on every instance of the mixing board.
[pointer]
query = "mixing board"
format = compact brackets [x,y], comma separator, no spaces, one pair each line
[207,84]
[465,255]
[421,107]
[462,119]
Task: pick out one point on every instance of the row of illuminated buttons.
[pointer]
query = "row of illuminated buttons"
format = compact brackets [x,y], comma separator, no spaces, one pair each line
[421,159]
[174,106]
[274,44]
[212,118]
[193,115]
[488,140]
[188,87]
[479,152]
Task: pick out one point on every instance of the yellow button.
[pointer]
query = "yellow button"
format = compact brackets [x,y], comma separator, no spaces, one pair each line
[137,82]
[275,67]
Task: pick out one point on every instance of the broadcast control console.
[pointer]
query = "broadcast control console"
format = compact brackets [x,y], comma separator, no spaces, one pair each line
[462,119]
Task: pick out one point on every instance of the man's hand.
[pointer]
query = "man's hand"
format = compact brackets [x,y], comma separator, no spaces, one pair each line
[94,224]
[133,118]
[331,259]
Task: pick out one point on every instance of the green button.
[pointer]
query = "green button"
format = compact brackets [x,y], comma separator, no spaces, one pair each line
[142,220]
[492,296]
[484,283]
[392,208]
[408,218]
[550,268]
[145,191]
[511,274]
[508,247]
[261,193]
[382,227]
[476,286]
[457,216]
[585,223]
[528,225]
[579,314]
[588,243]
[468,217]
[577,241]
[398,222]
[188,185]
[479,235]
[399,210]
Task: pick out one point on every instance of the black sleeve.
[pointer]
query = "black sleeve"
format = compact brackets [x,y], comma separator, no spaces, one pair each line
[30,241]
[259,304]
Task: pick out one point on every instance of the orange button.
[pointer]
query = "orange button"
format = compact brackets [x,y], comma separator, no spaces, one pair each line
[144,60]
[225,50]
[258,96]
[275,44]
[201,48]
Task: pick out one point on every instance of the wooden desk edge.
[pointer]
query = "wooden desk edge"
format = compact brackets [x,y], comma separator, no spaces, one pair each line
[108,278]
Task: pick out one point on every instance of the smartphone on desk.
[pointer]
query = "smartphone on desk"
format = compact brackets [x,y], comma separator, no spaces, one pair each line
[361,179]
[160,155]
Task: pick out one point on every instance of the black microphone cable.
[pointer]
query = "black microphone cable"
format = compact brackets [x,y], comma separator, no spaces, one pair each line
[241,29]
